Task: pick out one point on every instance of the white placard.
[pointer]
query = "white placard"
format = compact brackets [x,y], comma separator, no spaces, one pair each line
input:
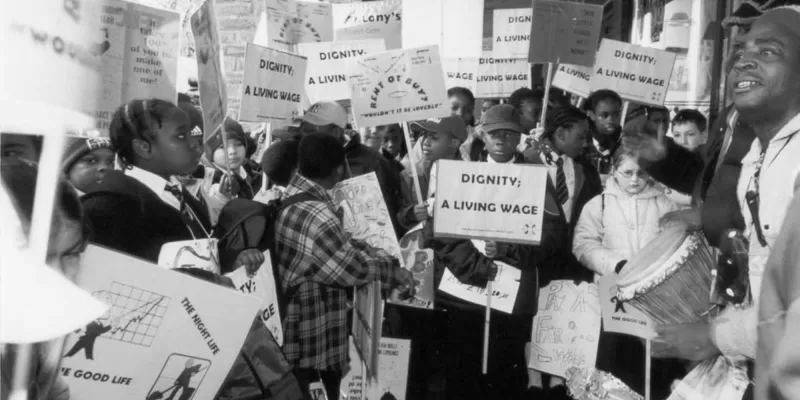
[166,332]
[566,329]
[502,202]
[369,20]
[564,32]
[262,285]
[418,260]
[461,72]
[327,66]
[499,77]
[393,363]
[200,253]
[458,34]
[574,79]
[621,317]
[512,32]
[289,22]
[273,85]
[213,90]
[637,73]
[397,86]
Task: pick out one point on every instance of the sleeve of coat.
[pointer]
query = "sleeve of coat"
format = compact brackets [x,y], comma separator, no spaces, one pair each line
[120,231]
[587,245]
[389,179]
[679,170]
[408,198]
[460,256]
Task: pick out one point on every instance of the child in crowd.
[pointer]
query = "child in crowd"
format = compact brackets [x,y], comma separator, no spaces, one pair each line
[529,105]
[393,144]
[86,162]
[647,120]
[279,166]
[604,107]
[20,146]
[689,129]
[462,105]
[246,181]
[612,228]
[502,130]
[143,207]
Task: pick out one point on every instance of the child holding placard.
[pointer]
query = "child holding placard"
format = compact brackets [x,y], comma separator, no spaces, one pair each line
[246,181]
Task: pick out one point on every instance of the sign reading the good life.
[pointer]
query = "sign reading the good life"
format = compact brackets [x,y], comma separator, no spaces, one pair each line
[564,32]
[499,77]
[461,72]
[369,20]
[512,32]
[637,73]
[502,202]
[327,66]
[621,317]
[272,88]
[213,93]
[574,79]
[398,85]
[290,22]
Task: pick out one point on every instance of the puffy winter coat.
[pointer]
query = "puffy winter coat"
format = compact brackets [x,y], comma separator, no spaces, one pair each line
[615,225]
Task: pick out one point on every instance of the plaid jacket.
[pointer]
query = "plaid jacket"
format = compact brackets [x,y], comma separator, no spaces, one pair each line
[318,261]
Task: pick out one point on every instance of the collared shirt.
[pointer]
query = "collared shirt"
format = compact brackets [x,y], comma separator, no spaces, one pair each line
[491,160]
[569,173]
[157,184]
[316,261]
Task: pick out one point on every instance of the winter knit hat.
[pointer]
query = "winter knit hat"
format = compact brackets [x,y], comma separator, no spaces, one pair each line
[79,147]
[748,11]
[234,131]
[194,113]
[280,160]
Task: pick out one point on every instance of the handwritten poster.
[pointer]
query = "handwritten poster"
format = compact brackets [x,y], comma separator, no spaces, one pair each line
[457,33]
[574,79]
[564,32]
[166,334]
[213,93]
[262,285]
[503,202]
[499,77]
[393,363]
[201,254]
[369,20]
[512,32]
[397,86]
[289,22]
[637,73]
[272,88]
[327,66]
[504,287]
[419,261]
[367,320]
[621,317]
[566,329]
[461,72]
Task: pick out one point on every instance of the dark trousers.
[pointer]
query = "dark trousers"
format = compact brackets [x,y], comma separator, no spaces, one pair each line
[330,379]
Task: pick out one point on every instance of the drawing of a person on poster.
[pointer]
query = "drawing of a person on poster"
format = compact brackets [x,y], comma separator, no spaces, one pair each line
[86,342]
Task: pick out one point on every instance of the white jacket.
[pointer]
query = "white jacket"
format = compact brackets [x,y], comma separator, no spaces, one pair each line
[615,225]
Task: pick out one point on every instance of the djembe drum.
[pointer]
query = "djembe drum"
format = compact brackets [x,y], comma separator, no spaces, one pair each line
[670,278]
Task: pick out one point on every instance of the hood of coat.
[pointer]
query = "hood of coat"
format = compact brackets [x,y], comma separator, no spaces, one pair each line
[613,189]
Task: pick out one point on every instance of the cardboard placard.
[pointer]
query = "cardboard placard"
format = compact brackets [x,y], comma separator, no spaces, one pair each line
[213,90]
[397,86]
[566,330]
[458,34]
[290,22]
[419,261]
[166,334]
[273,85]
[461,72]
[574,79]
[620,317]
[327,66]
[367,319]
[393,363]
[369,20]
[263,286]
[502,202]
[499,77]
[199,253]
[637,73]
[564,32]
[512,32]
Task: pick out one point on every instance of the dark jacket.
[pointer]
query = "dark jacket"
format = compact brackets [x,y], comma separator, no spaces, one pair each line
[126,216]
[554,254]
[249,186]
[696,173]
[394,162]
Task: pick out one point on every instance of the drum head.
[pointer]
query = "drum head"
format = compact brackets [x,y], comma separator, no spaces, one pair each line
[650,263]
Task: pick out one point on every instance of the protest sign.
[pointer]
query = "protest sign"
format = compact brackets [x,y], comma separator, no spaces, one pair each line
[461,72]
[369,20]
[499,77]
[393,363]
[272,88]
[213,93]
[574,79]
[503,202]
[458,34]
[566,329]
[637,73]
[620,317]
[564,32]
[512,32]
[262,285]
[504,287]
[327,66]
[290,22]
[199,253]
[419,261]
[397,86]
[166,334]
[367,319]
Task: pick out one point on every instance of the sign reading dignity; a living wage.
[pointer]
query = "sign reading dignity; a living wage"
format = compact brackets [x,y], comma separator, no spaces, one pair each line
[166,334]
[499,77]
[262,285]
[502,202]
[213,93]
[273,85]
[574,79]
[620,317]
[290,22]
[512,32]
[637,73]
[457,33]
[564,32]
[327,66]
[398,85]
[369,20]
[461,72]
[566,329]
[419,261]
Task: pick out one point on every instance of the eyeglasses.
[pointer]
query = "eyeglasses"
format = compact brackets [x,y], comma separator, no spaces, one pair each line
[630,174]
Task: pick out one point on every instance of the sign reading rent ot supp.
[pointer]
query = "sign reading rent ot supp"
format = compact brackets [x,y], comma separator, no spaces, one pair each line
[327,66]
[574,79]
[398,85]
[369,20]
[564,32]
[637,73]
[272,88]
[512,32]
[499,77]
[502,202]
[461,72]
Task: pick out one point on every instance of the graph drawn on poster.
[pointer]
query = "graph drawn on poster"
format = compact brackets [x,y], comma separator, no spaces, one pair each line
[135,314]
[180,377]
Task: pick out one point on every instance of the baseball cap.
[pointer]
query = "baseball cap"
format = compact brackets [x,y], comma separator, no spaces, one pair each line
[325,113]
[452,125]
[501,116]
